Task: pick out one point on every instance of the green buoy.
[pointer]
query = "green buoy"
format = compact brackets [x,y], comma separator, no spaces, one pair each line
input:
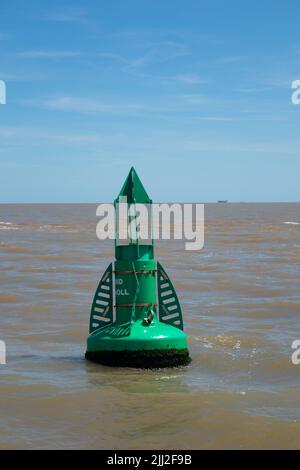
[136,318]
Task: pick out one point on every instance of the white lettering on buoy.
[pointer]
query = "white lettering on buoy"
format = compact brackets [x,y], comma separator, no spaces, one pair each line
[119,280]
[122,292]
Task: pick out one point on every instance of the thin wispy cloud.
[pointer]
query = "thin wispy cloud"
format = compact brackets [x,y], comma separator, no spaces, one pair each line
[18,75]
[191,79]
[16,136]
[68,14]
[230,59]
[217,118]
[4,36]
[160,53]
[101,106]
[115,57]
[223,146]
[185,79]
[7,76]
[201,99]
[43,54]
[86,105]
[284,82]
[155,53]
[190,104]
[178,107]
[254,90]
[36,137]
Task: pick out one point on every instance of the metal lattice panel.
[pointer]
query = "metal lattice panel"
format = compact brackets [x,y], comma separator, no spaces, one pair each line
[169,306]
[102,307]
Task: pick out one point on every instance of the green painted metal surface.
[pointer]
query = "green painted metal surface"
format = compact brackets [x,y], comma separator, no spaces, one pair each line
[137,336]
[169,306]
[132,192]
[136,307]
[102,306]
[135,290]
[133,189]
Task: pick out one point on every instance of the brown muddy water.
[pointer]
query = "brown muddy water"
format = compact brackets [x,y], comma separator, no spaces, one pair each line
[241,302]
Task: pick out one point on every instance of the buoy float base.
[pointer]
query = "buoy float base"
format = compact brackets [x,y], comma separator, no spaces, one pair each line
[135,345]
[146,359]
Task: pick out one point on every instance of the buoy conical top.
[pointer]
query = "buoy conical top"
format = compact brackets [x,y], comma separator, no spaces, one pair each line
[133,189]
[133,193]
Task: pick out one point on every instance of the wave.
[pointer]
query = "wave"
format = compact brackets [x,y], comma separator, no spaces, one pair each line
[292,223]
[43,228]
[7,226]
[58,228]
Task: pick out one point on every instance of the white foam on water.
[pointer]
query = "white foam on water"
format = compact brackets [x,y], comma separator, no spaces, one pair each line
[168,377]
[57,228]
[7,226]
[292,223]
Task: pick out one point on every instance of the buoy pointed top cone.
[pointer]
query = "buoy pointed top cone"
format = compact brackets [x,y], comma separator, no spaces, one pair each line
[133,189]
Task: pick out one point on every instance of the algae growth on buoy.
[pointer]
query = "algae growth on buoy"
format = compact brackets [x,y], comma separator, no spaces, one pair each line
[136,318]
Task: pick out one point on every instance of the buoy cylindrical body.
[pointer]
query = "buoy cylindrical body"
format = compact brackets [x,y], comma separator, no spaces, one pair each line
[135,289]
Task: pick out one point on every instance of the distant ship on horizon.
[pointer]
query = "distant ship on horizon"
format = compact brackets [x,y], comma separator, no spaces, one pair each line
[222,201]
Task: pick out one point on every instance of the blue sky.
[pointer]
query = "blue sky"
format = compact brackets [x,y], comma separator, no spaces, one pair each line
[195,94]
